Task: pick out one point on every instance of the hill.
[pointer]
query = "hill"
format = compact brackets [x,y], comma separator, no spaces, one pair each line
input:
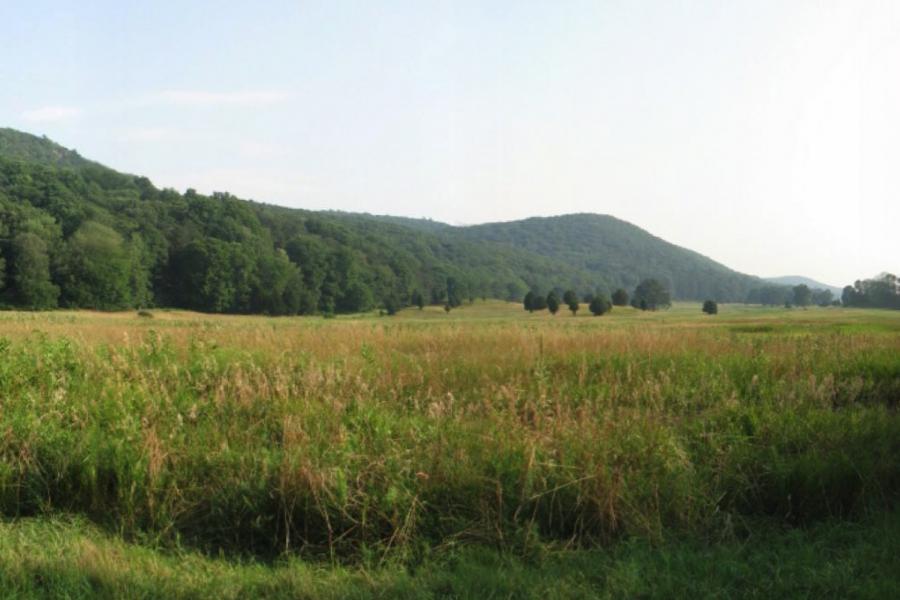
[618,254]
[793,280]
[17,145]
[75,233]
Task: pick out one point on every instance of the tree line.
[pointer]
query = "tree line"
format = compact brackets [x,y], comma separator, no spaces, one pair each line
[788,296]
[650,294]
[881,292]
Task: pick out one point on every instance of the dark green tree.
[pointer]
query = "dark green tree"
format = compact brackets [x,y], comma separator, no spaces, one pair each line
[849,296]
[203,270]
[529,301]
[278,289]
[620,297]
[139,281]
[552,303]
[822,297]
[311,256]
[710,307]
[4,239]
[96,269]
[600,305]
[802,295]
[651,294]
[571,300]
[418,299]
[31,273]
[357,298]
[455,292]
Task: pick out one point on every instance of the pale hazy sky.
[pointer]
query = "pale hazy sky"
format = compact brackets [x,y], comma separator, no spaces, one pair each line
[764,134]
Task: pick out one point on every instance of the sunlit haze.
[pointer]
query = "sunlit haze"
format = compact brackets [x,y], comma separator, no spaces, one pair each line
[765,135]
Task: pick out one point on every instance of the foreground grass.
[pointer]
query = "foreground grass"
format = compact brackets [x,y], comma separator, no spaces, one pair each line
[68,558]
[402,448]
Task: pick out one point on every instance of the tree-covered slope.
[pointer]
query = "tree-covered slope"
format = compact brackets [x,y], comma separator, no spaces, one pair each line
[17,145]
[617,253]
[74,233]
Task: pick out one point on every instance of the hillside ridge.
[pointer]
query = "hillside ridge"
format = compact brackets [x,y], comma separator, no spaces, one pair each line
[223,254]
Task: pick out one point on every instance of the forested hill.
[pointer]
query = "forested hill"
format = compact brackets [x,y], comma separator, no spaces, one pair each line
[74,233]
[16,145]
[618,253]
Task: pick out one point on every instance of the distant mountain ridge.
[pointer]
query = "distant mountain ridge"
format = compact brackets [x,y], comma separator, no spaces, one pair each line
[221,253]
[793,280]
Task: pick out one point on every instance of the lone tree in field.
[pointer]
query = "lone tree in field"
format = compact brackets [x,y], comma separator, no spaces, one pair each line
[571,300]
[651,294]
[552,303]
[600,305]
[529,302]
[710,307]
[620,297]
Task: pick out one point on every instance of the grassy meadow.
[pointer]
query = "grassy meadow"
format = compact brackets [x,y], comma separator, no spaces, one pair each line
[481,453]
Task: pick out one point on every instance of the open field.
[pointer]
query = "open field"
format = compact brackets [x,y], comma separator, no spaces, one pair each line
[365,456]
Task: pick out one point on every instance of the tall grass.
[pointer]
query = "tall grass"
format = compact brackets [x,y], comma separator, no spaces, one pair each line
[353,439]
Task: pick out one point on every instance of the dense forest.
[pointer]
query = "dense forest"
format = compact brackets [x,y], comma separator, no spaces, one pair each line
[881,292]
[74,233]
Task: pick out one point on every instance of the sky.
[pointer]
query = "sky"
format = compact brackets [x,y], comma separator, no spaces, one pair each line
[764,134]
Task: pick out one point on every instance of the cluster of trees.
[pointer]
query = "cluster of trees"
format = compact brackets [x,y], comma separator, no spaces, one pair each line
[880,292]
[95,266]
[782,295]
[802,295]
[650,294]
[770,295]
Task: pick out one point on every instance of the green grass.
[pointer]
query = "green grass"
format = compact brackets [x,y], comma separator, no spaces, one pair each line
[636,454]
[66,558]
